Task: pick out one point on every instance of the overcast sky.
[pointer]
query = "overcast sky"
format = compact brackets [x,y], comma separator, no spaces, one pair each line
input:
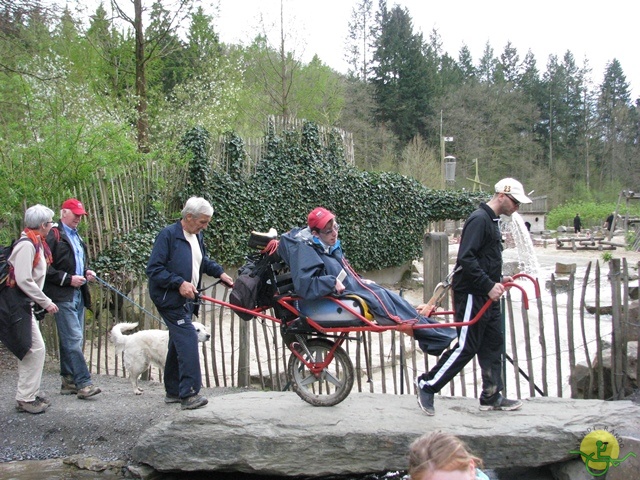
[598,31]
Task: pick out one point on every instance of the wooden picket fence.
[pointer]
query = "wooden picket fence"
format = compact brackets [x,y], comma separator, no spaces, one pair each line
[543,344]
[117,205]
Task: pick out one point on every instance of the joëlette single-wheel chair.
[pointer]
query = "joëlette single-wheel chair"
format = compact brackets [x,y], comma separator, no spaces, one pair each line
[319,369]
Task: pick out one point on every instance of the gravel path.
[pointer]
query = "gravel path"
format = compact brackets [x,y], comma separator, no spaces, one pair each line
[106,426]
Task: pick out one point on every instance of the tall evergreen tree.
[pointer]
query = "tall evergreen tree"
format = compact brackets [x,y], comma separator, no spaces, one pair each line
[551,105]
[508,67]
[615,121]
[486,70]
[203,43]
[167,59]
[573,98]
[403,83]
[360,39]
[530,79]
[146,50]
[465,63]
[113,69]
[448,74]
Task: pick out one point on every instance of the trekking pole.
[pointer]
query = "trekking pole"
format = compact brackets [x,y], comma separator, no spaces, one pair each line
[118,292]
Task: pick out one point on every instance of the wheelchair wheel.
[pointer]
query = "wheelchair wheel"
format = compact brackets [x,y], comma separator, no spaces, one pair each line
[331,385]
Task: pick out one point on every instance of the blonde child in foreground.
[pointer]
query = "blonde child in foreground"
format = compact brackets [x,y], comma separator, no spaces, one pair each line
[442,456]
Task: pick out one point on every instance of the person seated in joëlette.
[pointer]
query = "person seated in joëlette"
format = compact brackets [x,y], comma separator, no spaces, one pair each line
[319,268]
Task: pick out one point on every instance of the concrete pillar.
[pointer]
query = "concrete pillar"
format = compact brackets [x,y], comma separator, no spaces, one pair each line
[435,252]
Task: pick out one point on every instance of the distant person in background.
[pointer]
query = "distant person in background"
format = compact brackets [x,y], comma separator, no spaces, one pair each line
[608,224]
[577,224]
[443,456]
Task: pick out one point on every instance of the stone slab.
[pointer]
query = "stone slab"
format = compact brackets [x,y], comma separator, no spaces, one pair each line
[276,433]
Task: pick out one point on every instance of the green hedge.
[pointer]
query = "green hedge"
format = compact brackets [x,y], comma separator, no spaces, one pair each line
[383,216]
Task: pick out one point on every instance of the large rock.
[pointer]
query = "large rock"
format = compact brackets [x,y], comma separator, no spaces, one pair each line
[277,433]
[580,375]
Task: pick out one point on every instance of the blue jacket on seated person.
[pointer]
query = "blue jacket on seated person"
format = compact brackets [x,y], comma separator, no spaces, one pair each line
[314,268]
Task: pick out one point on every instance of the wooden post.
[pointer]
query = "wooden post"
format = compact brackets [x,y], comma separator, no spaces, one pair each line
[244,360]
[543,347]
[570,342]
[599,343]
[617,336]
[527,347]
[514,345]
[435,251]
[556,332]
[624,330]
[589,389]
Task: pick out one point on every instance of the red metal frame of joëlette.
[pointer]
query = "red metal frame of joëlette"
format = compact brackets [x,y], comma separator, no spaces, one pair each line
[287,301]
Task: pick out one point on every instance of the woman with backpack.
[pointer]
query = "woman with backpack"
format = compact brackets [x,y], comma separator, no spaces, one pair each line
[29,260]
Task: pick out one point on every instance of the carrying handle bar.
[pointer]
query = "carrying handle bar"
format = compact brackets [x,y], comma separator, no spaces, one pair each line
[536,284]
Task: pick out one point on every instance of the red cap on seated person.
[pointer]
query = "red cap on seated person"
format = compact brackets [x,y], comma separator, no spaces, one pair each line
[319,217]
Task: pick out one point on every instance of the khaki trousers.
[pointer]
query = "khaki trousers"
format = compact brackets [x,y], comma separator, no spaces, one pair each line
[30,367]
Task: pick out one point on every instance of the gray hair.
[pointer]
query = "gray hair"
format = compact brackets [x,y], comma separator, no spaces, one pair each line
[197,206]
[35,216]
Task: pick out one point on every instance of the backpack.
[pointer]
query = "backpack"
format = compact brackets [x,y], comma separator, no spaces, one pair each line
[5,268]
[253,288]
[15,309]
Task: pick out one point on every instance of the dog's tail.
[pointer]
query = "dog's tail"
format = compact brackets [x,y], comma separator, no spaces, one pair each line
[118,339]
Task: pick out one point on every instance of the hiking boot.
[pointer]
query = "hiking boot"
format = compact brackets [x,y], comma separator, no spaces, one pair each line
[88,391]
[68,387]
[171,399]
[34,406]
[191,403]
[425,400]
[43,398]
[500,403]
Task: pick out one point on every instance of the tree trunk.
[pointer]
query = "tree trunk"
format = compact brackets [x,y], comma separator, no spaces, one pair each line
[142,123]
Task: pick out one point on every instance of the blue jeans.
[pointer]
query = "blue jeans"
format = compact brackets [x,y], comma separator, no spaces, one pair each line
[70,322]
[182,376]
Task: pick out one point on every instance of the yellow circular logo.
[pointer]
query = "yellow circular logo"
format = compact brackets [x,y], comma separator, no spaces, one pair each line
[599,448]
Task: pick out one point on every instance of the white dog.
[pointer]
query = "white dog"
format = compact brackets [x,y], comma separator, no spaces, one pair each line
[146,347]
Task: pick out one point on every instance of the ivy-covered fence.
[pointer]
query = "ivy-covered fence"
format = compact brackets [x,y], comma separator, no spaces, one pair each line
[254,148]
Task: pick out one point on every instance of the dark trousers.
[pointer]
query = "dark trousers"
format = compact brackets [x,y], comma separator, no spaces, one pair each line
[182,377]
[484,339]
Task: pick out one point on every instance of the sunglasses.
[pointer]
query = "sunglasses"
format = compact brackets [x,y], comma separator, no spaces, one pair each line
[329,231]
[516,202]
